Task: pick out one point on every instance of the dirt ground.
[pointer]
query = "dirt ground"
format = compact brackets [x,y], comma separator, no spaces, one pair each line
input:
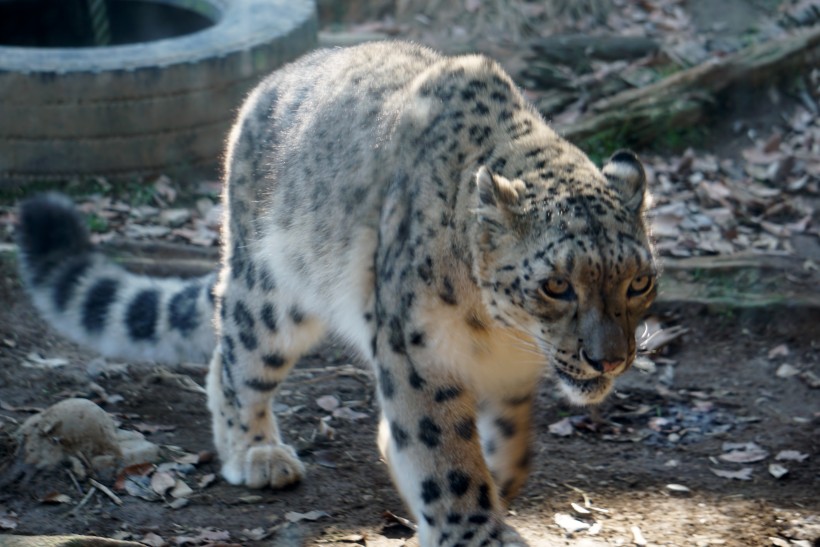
[719,385]
[736,395]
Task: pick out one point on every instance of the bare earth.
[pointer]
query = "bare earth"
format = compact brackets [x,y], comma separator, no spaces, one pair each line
[727,398]
[722,388]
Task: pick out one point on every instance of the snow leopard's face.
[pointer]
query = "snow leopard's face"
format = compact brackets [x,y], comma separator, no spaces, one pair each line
[573,270]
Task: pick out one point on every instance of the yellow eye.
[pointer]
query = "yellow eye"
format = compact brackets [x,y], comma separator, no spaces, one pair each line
[555,287]
[642,284]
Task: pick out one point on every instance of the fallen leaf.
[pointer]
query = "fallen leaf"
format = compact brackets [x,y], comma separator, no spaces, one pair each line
[153,540]
[161,482]
[152,428]
[252,498]
[140,487]
[174,217]
[293,516]
[393,518]
[810,379]
[348,413]
[258,534]
[743,453]
[328,403]
[326,458]
[778,351]
[637,536]
[569,523]
[776,470]
[678,489]
[164,188]
[786,371]
[9,521]
[139,469]
[562,428]
[791,455]
[36,361]
[744,474]
[142,231]
[178,503]
[205,537]
[56,498]
[181,490]
[206,480]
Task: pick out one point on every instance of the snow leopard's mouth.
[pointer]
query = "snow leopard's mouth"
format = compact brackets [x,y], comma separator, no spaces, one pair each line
[584,390]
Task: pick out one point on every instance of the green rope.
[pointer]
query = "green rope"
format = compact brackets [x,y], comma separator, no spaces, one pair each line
[100,26]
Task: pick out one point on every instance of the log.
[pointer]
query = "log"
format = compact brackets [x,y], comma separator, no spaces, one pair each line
[575,49]
[157,258]
[681,100]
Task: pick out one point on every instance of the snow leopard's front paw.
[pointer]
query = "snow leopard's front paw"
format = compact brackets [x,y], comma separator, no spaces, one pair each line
[277,466]
[474,532]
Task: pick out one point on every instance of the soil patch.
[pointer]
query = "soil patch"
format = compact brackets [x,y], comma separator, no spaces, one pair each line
[720,384]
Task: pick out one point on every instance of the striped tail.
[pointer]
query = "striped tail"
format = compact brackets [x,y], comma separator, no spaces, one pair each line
[97,303]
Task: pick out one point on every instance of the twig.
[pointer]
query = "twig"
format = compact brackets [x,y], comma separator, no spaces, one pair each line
[587,503]
[74,480]
[107,491]
[88,496]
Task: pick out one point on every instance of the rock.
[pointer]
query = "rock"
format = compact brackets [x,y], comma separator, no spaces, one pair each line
[70,428]
[77,430]
[135,449]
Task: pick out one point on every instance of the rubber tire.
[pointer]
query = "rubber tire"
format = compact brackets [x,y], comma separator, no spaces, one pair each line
[163,106]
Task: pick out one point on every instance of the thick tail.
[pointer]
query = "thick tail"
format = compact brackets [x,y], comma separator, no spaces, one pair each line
[99,304]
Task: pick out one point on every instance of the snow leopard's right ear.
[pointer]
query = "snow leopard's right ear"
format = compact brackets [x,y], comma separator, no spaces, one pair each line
[495,190]
[626,174]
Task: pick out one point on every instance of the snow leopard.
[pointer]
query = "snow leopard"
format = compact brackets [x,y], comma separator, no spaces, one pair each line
[419,208]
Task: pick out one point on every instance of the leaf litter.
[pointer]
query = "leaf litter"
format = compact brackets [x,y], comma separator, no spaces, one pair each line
[728,206]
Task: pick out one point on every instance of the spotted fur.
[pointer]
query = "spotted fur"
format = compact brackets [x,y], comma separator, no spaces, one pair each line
[416,206]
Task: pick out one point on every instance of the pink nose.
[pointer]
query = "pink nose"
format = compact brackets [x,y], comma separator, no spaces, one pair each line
[609,366]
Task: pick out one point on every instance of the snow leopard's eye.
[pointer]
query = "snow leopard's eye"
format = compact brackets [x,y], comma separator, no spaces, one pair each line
[641,285]
[557,288]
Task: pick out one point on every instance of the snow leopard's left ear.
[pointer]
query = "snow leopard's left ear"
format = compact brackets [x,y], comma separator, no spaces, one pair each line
[497,191]
[626,174]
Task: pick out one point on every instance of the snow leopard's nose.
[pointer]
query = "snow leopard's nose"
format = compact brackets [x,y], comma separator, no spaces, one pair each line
[603,365]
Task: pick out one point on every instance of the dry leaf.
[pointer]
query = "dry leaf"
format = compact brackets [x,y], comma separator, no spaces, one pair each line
[562,428]
[678,489]
[139,469]
[206,480]
[328,403]
[161,482]
[153,540]
[744,474]
[569,523]
[743,453]
[637,536]
[810,379]
[348,413]
[140,487]
[205,536]
[152,428]
[777,471]
[786,371]
[781,350]
[258,534]
[9,521]
[181,490]
[791,455]
[56,498]
[34,360]
[294,516]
